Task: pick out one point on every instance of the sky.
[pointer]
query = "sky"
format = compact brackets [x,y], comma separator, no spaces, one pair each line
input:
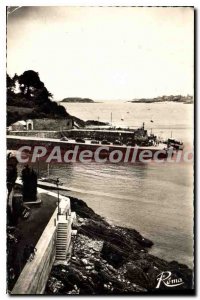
[104,53]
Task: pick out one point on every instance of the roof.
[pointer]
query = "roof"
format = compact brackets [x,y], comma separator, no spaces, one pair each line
[20,123]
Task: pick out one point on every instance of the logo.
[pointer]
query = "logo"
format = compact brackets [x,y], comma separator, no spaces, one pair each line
[166,279]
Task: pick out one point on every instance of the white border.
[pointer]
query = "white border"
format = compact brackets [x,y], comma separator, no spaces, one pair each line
[3,5]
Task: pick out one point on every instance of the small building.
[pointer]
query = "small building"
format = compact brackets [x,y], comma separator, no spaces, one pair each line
[18,126]
[42,124]
[29,125]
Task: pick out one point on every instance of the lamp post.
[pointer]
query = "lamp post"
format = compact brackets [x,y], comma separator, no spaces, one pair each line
[57,183]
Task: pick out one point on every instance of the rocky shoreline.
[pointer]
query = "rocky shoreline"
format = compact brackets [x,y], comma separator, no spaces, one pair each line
[112,260]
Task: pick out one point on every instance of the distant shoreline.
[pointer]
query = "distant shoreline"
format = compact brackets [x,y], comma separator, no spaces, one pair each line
[178,99]
[159,102]
[79,100]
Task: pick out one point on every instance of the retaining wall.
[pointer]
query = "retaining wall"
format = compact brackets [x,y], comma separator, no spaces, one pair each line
[37,133]
[34,276]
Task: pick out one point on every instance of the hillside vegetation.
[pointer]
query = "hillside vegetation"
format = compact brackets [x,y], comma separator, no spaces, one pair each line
[28,98]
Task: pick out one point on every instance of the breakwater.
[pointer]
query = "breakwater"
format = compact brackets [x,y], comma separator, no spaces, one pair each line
[111,135]
[101,134]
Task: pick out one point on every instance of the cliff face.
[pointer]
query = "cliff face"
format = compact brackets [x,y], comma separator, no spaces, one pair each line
[109,259]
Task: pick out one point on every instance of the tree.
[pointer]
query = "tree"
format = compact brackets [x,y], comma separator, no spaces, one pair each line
[42,95]
[34,95]
[29,179]
[10,83]
[29,81]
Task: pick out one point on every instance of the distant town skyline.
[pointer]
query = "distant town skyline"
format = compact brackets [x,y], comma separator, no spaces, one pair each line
[104,53]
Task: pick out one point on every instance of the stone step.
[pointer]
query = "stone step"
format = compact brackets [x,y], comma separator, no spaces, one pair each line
[63,222]
[61,243]
[61,248]
[62,227]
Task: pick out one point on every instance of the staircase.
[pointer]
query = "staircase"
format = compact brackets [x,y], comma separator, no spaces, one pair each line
[61,241]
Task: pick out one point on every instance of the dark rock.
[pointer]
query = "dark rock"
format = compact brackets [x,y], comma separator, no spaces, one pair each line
[138,276]
[81,208]
[120,264]
[113,255]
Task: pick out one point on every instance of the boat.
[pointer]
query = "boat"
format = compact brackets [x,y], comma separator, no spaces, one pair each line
[177,145]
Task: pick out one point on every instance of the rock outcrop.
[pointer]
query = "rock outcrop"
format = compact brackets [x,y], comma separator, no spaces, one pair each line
[111,260]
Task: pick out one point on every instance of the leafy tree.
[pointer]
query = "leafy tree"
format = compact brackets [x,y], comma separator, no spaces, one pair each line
[33,94]
[42,95]
[9,83]
[29,81]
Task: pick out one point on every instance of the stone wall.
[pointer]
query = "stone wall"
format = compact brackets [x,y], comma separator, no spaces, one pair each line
[110,135]
[38,133]
[42,124]
[53,124]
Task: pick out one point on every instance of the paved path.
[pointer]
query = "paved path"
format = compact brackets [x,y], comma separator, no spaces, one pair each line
[31,229]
